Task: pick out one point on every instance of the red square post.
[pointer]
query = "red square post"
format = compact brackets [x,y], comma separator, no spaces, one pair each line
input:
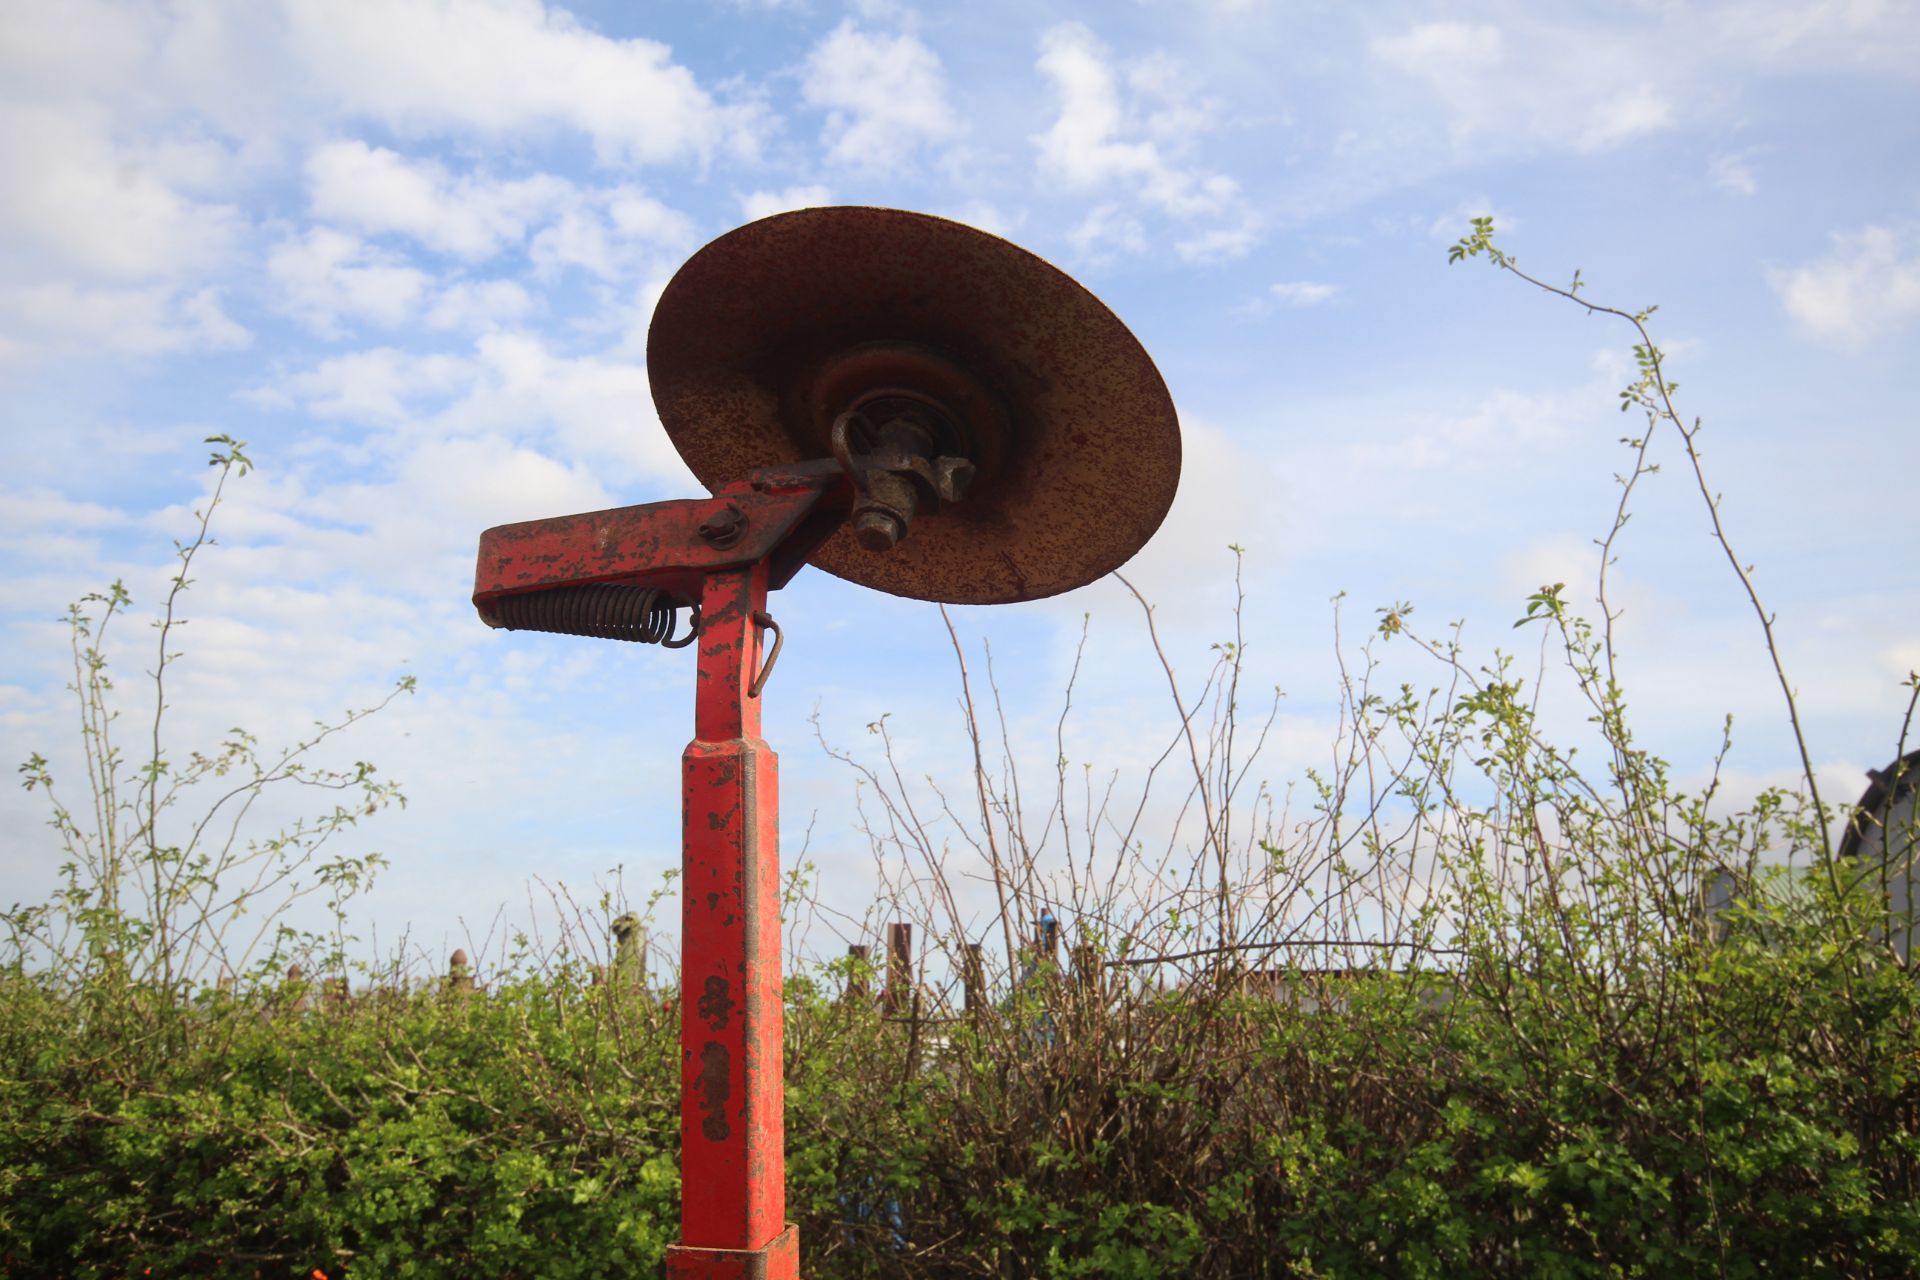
[732,1136]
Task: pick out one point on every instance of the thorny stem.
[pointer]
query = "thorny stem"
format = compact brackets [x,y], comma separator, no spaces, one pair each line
[980,785]
[164,885]
[1193,752]
[1655,383]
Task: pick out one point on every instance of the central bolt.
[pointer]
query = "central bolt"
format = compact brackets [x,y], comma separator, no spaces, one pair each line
[878,530]
[723,528]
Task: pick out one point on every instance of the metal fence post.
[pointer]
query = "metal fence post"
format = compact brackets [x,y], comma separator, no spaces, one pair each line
[899,966]
[974,975]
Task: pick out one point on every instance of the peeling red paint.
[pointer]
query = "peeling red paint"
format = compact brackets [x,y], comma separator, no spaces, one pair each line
[1046,452]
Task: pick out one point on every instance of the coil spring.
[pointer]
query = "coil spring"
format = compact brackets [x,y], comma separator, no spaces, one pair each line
[605,610]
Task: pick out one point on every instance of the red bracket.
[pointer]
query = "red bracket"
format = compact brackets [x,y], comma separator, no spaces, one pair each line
[779,515]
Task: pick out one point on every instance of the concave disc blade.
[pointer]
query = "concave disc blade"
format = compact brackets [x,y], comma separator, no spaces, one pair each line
[1090,456]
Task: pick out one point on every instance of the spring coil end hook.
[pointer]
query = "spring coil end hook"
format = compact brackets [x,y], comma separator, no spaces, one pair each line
[764,621]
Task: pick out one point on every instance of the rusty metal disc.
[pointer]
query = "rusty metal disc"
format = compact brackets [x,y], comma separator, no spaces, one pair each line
[766,333]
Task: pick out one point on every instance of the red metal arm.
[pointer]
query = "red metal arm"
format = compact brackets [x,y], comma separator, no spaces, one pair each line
[778,517]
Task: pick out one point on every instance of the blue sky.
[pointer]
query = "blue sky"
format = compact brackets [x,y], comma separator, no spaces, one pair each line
[409,250]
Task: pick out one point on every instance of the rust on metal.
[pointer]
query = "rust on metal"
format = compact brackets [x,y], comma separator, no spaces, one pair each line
[899,966]
[714,1087]
[723,528]
[658,544]
[778,1259]
[763,621]
[974,974]
[715,1004]
[459,972]
[910,404]
[903,451]
[765,335]
[731,1117]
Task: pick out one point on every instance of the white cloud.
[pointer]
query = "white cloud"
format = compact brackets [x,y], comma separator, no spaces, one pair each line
[1297,294]
[1866,287]
[1221,244]
[1732,172]
[1900,660]
[1566,559]
[884,96]
[89,44]
[1826,34]
[379,191]
[611,234]
[380,385]
[38,509]
[980,214]
[476,482]
[79,201]
[1228,495]
[480,305]
[595,408]
[1162,90]
[327,276]
[1628,114]
[579,238]
[66,318]
[1500,85]
[1107,229]
[510,67]
[514,386]
[208,321]
[1448,227]
[1096,141]
[1492,433]
[764,204]
[1444,48]
[493,69]
[637,216]
[1302,293]
[138,317]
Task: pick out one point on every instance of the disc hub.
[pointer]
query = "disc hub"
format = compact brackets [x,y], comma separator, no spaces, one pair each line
[904,453]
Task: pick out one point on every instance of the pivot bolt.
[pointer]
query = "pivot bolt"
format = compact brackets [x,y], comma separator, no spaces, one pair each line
[723,528]
[877,529]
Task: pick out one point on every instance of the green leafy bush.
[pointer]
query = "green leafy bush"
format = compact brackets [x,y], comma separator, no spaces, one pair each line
[527,1132]
[532,1131]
